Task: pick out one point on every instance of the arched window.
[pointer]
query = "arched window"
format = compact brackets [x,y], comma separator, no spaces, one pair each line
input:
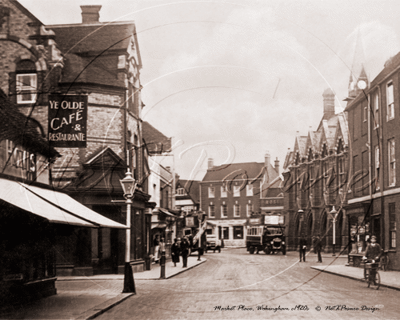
[26,82]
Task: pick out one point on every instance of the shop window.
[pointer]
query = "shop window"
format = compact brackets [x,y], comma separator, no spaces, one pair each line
[392,225]
[392,162]
[390,101]
[238,232]
[211,192]
[224,192]
[249,190]
[211,211]
[224,211]
[236,210]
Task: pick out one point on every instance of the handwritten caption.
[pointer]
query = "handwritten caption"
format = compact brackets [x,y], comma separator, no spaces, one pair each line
[298,307]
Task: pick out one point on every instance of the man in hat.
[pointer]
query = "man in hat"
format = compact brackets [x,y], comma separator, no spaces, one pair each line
[373,254]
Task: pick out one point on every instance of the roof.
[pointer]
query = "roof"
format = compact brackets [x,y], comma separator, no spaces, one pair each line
[99,70]
[22,130]
[156,141]
[94,37]
[231,171]
[390,65]
[191,187]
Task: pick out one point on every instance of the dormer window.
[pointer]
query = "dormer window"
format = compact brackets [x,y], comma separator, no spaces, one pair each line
[26,82]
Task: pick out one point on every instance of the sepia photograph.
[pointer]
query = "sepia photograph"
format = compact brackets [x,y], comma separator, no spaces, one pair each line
[199,159]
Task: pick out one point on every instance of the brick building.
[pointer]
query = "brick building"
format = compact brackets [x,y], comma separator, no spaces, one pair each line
[98,64]
[229,194]
[315,176]
[374,195]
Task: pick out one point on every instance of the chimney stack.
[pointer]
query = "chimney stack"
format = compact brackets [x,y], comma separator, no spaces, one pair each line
[90,14]
[210,163]
[267,159]
[329,104]
[277,165]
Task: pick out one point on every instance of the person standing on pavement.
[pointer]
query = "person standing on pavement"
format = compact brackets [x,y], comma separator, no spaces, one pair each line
[318,247]
[184,251]
[303,248]
[156,244]
[175,249]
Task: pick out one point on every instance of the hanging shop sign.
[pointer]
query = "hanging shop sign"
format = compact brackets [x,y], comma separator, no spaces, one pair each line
[67,120]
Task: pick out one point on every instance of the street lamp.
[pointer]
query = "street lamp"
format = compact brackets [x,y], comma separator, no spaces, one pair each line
[128,186]
[333,214]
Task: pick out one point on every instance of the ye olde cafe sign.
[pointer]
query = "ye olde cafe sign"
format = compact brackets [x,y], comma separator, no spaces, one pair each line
[67,120]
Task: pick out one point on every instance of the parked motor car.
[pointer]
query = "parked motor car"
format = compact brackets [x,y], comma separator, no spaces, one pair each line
[213,243]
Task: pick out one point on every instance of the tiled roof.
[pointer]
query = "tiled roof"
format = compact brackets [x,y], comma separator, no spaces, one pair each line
[390,65]
[96,37]
[156,142]
[21,130]
[236,170]
[192,189]
[99,70]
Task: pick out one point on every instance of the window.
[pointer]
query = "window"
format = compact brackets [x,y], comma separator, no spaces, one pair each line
[249,190]
[236,191]
[224,211]
[392,225]
[211,211]
[342,176]
[377,165]
[236,210]
[375,102]
[26,88]
[224,192]
[392,162]
[211,192]
[181,191]
[249,209]
[238,232]
[390,101]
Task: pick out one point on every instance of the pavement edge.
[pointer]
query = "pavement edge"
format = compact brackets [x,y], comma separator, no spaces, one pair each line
[105,306]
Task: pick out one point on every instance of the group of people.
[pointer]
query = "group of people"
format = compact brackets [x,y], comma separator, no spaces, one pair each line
[178,248]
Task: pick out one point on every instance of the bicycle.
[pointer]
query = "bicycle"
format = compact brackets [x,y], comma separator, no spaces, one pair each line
[384,263]
[372,268]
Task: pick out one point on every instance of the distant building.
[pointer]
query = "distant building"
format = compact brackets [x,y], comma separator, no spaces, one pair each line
[230,193]
[315,177]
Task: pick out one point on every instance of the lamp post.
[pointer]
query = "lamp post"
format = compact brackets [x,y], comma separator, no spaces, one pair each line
[334,214]
[128,186]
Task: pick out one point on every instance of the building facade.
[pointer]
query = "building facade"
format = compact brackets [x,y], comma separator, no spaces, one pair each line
[92,70]
[315,177]
[229,194]
[374,194]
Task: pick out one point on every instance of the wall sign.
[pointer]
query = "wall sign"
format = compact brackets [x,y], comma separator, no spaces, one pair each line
[67,121]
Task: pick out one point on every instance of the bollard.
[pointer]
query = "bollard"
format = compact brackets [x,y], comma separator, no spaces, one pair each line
[162,265]
[198,255]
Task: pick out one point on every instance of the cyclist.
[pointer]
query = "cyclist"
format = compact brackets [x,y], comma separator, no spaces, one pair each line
[373,254]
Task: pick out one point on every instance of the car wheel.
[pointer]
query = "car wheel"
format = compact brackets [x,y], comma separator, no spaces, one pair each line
[251,250]
[219,250]
[267,250]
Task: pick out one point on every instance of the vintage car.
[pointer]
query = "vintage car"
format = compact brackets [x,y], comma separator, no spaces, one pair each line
[213,243]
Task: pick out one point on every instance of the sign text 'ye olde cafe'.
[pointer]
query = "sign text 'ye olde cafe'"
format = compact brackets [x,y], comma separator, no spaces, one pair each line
[67,121]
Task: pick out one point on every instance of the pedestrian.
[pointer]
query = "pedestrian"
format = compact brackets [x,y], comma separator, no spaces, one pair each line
[156,243]
[175,249]
[318,247]
[303,248]
[184,251]
[373,255]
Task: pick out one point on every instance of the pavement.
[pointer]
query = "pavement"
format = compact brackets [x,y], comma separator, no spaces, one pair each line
[87,297]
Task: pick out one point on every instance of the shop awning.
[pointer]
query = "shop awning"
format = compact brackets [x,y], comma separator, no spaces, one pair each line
[18,195]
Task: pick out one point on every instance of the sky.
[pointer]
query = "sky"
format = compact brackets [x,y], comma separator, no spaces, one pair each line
[233,79]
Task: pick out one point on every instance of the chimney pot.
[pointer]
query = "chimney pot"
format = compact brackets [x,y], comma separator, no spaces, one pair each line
[267,158]
[90,14]
[210,163]
[277,165]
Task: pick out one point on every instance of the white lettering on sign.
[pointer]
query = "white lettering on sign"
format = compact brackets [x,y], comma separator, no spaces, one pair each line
[107,99]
